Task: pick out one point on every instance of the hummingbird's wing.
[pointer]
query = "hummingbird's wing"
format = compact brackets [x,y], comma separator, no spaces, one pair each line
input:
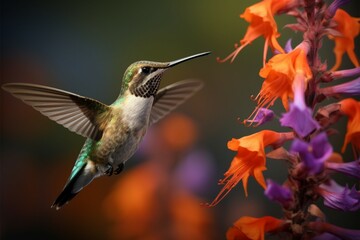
[79,114]
[170,97]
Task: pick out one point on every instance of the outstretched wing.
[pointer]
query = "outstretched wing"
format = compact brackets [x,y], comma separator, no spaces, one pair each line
[79,114]
[170,97]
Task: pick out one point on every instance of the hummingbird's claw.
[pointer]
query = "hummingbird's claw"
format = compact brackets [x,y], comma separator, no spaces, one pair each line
[119,169]
[109,170]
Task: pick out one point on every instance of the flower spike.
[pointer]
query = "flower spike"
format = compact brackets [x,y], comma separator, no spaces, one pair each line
[300,78]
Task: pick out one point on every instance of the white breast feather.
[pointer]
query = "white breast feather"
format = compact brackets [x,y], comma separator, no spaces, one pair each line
[136,110]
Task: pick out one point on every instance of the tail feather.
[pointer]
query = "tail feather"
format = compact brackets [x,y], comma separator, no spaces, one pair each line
[82,178]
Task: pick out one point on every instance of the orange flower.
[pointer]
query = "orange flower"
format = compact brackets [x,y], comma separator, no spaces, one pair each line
[262,23]
[250,160]
[253,228]
[279,74]
[351,108]
[349,28]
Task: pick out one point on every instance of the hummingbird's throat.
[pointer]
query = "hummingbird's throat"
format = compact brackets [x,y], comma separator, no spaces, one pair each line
[147,89]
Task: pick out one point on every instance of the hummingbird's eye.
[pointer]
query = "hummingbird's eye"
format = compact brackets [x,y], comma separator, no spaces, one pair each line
[145,70]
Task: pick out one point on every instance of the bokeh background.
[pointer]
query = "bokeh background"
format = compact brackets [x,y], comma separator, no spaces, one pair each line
[84,47]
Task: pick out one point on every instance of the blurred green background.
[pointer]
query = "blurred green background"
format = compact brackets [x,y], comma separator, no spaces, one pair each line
[84,47]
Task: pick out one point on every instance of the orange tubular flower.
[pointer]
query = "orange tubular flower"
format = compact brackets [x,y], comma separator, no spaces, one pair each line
[349,28]
[262,23]
[279,74]
[253,228]
[250,160]
[351,108]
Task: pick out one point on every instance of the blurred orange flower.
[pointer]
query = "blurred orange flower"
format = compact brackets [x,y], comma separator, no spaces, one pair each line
[279,74]
[249,160]
[145,204]
[150,201]
[351,108]
[262,23]
[349,28]
[253,228]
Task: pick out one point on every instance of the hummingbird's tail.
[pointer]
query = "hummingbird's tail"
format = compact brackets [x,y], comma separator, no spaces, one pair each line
[85,174]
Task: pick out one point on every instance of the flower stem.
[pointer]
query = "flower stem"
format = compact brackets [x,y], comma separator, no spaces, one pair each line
[313,36]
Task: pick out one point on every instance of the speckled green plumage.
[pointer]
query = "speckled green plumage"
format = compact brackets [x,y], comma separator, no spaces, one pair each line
[82,158]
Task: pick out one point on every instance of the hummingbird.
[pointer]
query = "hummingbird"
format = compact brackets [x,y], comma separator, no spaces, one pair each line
[113,132]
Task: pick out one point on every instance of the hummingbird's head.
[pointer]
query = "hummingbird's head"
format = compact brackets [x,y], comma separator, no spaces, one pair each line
[143,78]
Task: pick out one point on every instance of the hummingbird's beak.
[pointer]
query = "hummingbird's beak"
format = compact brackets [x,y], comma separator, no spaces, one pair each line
[176,62]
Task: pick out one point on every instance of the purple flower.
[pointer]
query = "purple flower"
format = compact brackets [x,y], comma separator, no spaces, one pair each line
[288,48]
[278,193]
[264,115]
[345,73]
[349,168]
[300,120]
[351,88]
[313,154]
[299,117]
[195,171]
[335,5]
[339,197]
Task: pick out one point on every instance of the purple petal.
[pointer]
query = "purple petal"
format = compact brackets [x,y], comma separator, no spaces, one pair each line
[299,120]
[278,193]
[338,197]
[355,194]
[305,152]
[351,88]
[335,5]
[288,48]
[313,154]
[345,73]
[350,168]
[322,149]
[276,52]
[264,115]
[303,148]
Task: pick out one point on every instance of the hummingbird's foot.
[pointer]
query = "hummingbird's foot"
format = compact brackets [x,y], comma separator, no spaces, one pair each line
[119,169]
[109,170]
